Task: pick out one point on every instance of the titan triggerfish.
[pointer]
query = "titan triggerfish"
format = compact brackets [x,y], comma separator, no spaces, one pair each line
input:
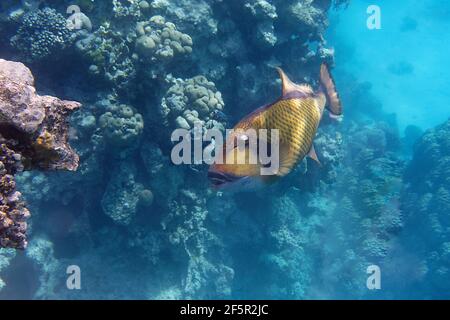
[296,115]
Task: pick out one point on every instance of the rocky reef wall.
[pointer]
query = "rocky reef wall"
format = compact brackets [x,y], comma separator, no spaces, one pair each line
[33,135]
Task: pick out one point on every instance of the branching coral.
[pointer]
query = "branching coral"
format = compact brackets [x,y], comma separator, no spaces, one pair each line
[207,275]
[127,8]
[42,34]
[109,56]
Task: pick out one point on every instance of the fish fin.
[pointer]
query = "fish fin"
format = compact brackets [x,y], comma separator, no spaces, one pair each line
[313,155]
[333,101]
[334,117]
[289,86]
[288,160]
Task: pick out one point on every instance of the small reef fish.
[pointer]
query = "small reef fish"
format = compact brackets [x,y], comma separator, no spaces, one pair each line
[296,115]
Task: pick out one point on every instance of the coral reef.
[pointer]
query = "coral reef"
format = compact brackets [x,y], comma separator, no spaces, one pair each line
[121,125]
[6,255]
[265,13]
[42,34]
[108,55]
[165,65]
[197,17]
[127,8]
[119,56]
[426,204]
[307,16]
[33,135]
[122,195]
[313,215]
[208,275]
[13,214]
[159,41]
[191,101]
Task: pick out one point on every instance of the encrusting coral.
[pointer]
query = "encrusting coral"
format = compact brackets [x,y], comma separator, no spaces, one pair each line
[33,135]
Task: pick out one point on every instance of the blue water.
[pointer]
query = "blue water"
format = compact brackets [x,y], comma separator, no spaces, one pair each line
[370,222]
[404,61]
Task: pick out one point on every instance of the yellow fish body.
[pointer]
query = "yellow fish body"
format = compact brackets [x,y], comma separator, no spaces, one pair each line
[296,115]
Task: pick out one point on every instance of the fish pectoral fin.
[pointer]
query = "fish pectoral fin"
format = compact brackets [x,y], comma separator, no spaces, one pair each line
[313,155]
[288,159]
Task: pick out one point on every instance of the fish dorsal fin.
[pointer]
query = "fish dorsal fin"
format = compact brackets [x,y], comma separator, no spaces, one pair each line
[288,86]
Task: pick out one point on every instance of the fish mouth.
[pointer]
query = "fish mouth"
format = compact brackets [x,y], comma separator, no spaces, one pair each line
[219,179]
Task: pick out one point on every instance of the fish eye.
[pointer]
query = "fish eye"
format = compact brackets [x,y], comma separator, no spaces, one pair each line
[244,137]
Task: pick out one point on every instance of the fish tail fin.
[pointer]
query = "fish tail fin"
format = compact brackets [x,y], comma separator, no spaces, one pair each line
[333,101]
